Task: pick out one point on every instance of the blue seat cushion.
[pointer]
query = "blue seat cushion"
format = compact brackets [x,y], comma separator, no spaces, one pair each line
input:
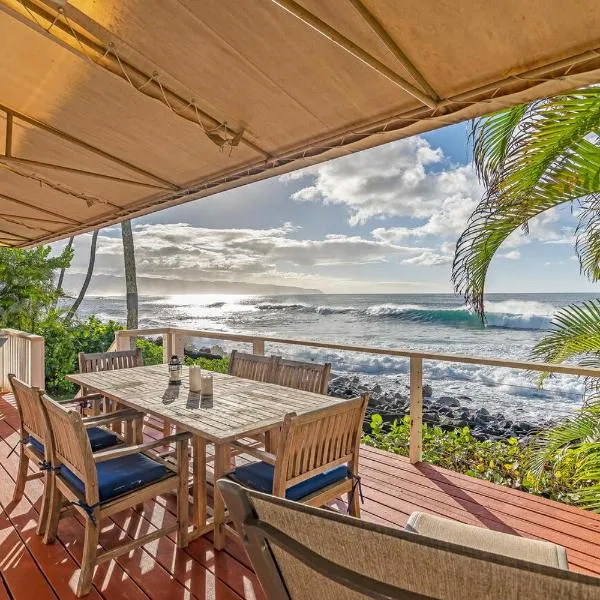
[259,476]
[120,475]
[99,439]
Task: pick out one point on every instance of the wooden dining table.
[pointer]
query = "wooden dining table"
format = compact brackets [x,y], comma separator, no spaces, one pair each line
[238,408]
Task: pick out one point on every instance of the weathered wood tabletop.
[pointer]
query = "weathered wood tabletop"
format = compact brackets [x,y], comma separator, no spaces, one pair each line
[238,407]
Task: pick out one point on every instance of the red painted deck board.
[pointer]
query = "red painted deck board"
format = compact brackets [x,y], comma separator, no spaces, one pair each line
[392,487]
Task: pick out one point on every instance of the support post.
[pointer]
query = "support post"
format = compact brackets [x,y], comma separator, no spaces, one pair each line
[37,365]
[178,344]
[258,346]
[122,340]
[416,410]
[167,346]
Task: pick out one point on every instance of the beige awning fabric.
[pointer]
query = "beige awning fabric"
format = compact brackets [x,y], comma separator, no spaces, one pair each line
[111,109]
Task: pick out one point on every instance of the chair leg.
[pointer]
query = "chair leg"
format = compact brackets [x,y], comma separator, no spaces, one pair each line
[183,494]
[354,503]
[49,483]
[88,561]
[54,506]
[21,476]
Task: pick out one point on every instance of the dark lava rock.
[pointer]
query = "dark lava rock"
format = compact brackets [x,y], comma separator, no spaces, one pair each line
[448,401]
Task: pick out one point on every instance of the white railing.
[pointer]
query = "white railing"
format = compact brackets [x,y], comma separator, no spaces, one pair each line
[22,354]
[174,342]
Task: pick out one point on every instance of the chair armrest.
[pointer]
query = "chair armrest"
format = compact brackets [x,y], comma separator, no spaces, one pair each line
[127,414]
[120,452]
[260,454]
[81,399]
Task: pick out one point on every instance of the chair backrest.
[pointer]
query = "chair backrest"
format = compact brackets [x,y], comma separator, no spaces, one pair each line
[251,366]
[299,553]
[29,407]
[310,377]
[110,361]
[71,446]
[318,441]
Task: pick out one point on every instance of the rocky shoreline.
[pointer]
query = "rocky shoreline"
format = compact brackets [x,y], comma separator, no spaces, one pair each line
[393,403]
[448,412]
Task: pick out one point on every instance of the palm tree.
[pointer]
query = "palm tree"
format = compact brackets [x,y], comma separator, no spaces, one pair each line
[532,158]
[88,278]
[130,275]
[61,276]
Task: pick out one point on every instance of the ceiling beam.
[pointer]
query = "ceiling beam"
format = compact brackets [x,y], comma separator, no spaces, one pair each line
[56,167]
[393,47]
[17,236]
[105,56]
[9,131]
[349,46]
[82,144]
[64,218]
[34,219]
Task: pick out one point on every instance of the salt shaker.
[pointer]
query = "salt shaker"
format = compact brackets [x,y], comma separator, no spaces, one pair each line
[207,385]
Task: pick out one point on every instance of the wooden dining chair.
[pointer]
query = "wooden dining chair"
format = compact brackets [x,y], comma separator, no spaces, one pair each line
[310,377]
[317,458]
[251,366]
[102,484]
[107,361]
[33,434]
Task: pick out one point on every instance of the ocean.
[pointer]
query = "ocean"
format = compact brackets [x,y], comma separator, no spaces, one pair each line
[427,322]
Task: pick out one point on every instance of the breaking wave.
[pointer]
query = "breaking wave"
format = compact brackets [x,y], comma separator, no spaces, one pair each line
[506,315]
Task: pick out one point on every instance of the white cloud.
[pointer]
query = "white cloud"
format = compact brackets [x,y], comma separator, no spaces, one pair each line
[431,257]
[396,180]
[511,255]
[180,251]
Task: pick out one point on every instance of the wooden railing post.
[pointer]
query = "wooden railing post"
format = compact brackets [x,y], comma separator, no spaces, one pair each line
[178,344]
[37,367]
[416,410]
[258,346]
[122,340]
[167,346]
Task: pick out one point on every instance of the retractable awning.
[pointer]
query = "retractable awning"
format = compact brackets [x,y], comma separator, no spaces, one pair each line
[111,109]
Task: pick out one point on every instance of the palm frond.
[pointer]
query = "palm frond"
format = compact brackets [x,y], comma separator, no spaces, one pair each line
[575,333]
[547,160]
[583,428]
[492,137]
[588,236]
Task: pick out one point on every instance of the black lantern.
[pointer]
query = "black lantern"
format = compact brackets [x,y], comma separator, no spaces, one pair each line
[175,368]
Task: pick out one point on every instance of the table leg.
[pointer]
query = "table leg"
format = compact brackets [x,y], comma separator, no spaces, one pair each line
[222,458]
[199,483]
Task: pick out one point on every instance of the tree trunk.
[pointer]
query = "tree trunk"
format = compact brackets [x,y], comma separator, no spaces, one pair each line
[61,276]
[88,277]
[130,275]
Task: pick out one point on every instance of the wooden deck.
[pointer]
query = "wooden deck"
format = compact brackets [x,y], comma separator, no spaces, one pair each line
[392,488]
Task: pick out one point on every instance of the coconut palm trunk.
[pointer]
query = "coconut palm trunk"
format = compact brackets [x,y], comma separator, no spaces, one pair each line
[61,276]
[88,278]
[130,275]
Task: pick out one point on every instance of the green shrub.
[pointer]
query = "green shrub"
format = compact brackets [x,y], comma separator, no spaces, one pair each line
[220,365]
[501,462]
[151,351]
[65,340]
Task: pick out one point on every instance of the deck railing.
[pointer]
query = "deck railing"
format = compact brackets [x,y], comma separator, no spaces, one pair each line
[22,354]
[174,343]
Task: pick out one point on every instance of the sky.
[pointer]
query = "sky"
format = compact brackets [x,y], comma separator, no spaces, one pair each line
[385,220]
